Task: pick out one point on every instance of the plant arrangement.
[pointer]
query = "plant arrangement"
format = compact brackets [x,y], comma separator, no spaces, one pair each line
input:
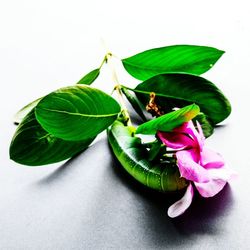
[177,107]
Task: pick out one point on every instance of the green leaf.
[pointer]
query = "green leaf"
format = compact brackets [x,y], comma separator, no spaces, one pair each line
[76,113]
[135,103]
[178,90]
[33,146]
[19,116]
[169,121]
[90,77]
[177,58]
[155,150]
[206,125]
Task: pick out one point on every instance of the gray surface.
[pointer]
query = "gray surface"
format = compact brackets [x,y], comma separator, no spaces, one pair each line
[90,202]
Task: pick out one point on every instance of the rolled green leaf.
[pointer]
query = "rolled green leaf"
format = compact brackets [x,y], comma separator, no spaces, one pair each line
[33,146]
[169,121]
[76,113]
[177,58]
[178,90]
[90,77]
[136,160]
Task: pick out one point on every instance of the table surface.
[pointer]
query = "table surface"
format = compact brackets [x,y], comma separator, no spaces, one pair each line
[90,202]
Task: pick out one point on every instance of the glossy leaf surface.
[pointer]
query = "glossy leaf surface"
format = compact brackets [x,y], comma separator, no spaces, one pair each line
[134,158]
[33,146]
[177,58]
[168,122]
[178,90]
[90,77]
[76,113]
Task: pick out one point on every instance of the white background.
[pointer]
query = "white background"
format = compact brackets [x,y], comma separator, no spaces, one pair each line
[46,44]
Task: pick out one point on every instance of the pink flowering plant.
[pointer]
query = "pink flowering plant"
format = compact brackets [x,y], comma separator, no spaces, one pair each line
[203,168]
[180,145]
[185,108]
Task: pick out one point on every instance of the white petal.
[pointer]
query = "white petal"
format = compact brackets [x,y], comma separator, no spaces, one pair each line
[180,206]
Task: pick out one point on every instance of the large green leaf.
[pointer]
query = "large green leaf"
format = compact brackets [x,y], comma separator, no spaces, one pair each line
[169,121]
[177,58]
[90,77]
[33,146]
[76,113]
[178,90]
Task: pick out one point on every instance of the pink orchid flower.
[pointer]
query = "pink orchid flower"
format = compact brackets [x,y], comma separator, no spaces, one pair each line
[204,168]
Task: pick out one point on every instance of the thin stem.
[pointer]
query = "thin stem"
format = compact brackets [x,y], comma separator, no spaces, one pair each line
[103,61]
[118,87]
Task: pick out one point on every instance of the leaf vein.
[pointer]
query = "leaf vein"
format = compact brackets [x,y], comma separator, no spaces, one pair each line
[79,114]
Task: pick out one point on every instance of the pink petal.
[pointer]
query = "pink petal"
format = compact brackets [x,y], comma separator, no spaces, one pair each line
[189,169]
[175,140]
[219,178]
[224,173]
[186,127]
[210,188]
[182,205]
[190,129]
[184,136]
[198,137]
[195,154]
[211,159]
[201,137]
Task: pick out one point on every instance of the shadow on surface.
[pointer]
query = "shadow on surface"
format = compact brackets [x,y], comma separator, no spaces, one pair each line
[203,216]
[67,167]
[220,126]
[141,214]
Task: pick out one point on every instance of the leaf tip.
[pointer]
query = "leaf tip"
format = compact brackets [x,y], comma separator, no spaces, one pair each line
[193,112]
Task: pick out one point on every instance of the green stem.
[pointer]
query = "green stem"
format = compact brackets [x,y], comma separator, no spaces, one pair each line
[105,59]
[118,87]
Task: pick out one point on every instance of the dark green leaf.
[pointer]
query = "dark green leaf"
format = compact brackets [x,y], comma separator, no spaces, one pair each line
[76,113]
[169,121]
[135,103]
[90,77]
[177,58]
[19,116]
[178,90]
[206,125]
[155,149]
[33,146]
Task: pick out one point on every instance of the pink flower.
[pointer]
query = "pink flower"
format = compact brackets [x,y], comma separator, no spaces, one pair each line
[198,164]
